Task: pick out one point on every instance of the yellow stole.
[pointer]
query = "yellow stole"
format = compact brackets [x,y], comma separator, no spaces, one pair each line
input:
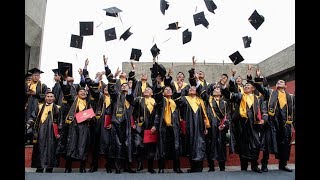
[45,112]
[81,104]
[107,100]
[149,102]
[241,89]
[246,100]
[282,99]
[122,80]
[195,103]
[33,86]
[177,87]
[143,86]
[170,107]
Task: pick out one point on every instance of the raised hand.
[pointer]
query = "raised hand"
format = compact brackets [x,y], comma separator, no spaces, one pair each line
[250,67]
[170,71]
[105,60]
[233,72]
[117,72]
[132,65]
[80,71]
[258,72]
[86,63]
[193,61]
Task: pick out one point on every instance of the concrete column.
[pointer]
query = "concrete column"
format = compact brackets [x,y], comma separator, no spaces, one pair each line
[34,57]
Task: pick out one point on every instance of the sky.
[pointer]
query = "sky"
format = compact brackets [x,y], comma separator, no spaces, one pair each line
[213,44]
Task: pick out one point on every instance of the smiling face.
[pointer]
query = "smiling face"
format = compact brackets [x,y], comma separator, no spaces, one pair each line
[248,88]
[144,77]
[239,80]
[123,75]
[124,87]
[180,77]
[147,92]
[49,98]
[82,94]
[167,92]
[223,79]
[192,91]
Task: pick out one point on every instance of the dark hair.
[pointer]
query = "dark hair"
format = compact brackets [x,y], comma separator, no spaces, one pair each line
[181,73]
[225,75]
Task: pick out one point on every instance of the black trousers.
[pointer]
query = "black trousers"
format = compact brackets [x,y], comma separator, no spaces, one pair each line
[244,163]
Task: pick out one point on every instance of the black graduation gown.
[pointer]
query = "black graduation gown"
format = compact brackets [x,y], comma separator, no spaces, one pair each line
[105,135]
[121,140]
[44,150]
[164,149]
[33,100]
[69,94]
[248,133]
[217,143]
[136,85]
[58,94]
[78,138]
[282,119]
[195,137]
[143,116]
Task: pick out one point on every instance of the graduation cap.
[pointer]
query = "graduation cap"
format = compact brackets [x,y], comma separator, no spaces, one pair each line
[163,6]
[35,71]
[155,51]
[112,11]
[135,54]
[110,34]
[186,36]
[246,41]
[256,19]
[200,19]
[236,58]
[173,26]
[55,71]
[65,68]
[126,34]
[86,28]
[158,69]
[211,6]
[76,41]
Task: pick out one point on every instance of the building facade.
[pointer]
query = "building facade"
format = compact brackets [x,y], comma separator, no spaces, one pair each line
[34,23]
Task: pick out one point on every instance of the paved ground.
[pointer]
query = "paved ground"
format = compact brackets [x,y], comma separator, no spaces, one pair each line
[232,172]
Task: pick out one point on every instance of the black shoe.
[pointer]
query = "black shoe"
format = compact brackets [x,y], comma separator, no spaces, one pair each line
[118,171]
[82,170]
[161,171]
[49,170]
[256,169]
[129,170]
[152,171]
[39,170]
[222,169]
[244,169]
[178,170]
[285,168]
[67,170]
[109,170]
[140,166]
[264,169]
[190,171]
[211,170]
[93,169]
